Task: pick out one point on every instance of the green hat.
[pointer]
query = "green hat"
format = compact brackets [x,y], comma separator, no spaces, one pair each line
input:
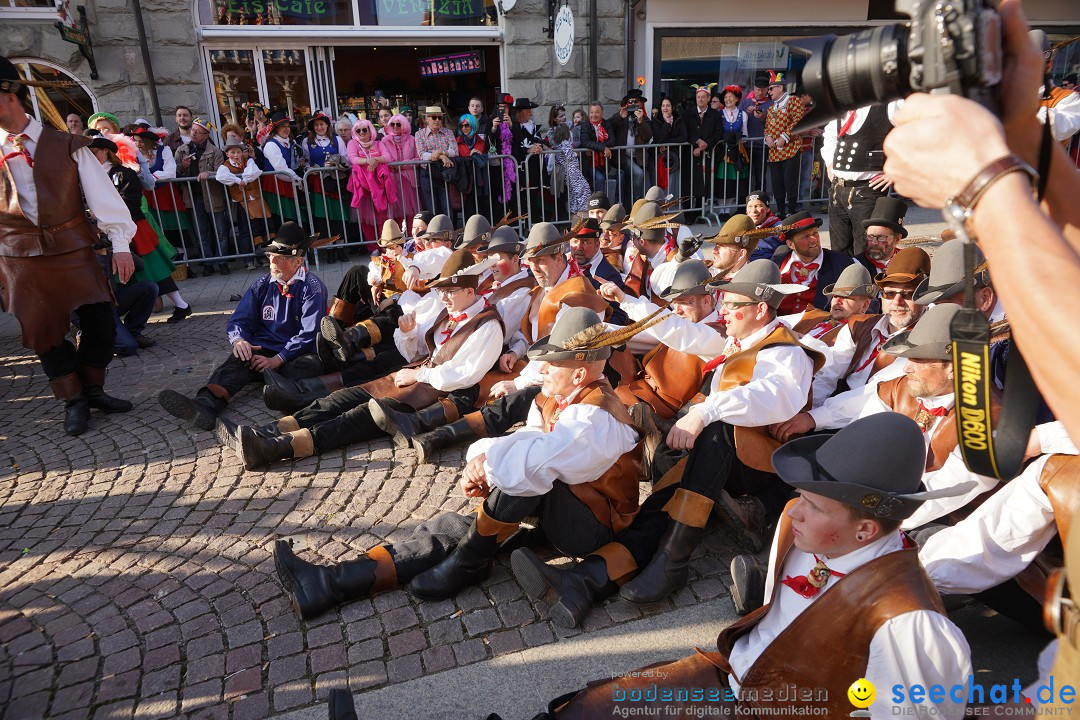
[738,231]
[98,115]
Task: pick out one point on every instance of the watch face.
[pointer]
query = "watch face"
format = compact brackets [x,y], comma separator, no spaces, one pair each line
[956,216]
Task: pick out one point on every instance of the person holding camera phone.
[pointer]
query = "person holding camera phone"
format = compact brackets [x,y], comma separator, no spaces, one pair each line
[631,127]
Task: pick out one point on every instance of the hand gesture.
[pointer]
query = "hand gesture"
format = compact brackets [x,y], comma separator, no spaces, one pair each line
[261,362]
[123,265]
[241,350]
[407,322]
[611,292]
[474,480]
[405,377]
[504,387]
[796,426]
[684,433]
[507,361]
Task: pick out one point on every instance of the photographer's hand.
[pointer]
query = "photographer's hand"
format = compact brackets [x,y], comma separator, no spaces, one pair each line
[967,137]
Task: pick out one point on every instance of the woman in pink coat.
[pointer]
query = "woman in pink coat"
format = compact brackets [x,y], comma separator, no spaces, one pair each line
[398,145]
[370,181]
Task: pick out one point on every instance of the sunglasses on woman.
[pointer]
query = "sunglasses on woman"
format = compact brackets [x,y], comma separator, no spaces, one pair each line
[395,124]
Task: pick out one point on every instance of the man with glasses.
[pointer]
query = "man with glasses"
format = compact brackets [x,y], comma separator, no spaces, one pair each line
[447,358]
[435,143]
[807,264]
[884,229]
[857,356]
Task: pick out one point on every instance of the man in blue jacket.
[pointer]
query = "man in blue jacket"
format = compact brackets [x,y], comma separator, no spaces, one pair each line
[274,327]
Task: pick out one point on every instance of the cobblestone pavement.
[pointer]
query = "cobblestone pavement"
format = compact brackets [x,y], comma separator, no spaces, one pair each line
[135,571]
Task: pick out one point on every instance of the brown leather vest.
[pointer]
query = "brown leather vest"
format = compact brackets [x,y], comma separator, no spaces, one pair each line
[754,446]
[419,395]
[943,440]
[813,317]
[849,614]
[668,379]
[574,292]
[1060,480]
[62,225]
[612,497]
[248,193]
[391,271]
[504,291]
[637,280]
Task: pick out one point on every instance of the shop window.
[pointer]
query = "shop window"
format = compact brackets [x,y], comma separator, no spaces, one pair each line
[52,105]
[47,6]
[390,13]
[234,83]
[287,83]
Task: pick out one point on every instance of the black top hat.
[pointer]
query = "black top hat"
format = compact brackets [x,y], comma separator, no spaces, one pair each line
[524,103]
[599,201]
[633,94]
[875,464]
[888,212]
[291,239]
[798,222]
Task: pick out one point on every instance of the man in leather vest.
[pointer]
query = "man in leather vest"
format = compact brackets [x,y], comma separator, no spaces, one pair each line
[574,466]
[849,298]
[761,374]
[558,288]
[839,568]
[48,268]
[449,356]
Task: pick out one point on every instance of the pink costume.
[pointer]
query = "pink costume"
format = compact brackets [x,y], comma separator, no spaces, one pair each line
[399,145]
[372,188]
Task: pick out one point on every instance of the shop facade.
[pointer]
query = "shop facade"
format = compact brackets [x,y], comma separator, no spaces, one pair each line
[333,55]
[680,43]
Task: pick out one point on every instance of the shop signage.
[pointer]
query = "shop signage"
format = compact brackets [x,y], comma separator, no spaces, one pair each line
[419,12]
[306,9]
[564,34]
[453,64]
[755,56]
[76,30]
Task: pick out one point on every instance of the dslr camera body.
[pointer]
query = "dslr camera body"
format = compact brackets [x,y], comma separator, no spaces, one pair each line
[951,46]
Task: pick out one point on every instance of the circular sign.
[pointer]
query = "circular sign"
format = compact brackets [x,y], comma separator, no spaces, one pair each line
[564,34]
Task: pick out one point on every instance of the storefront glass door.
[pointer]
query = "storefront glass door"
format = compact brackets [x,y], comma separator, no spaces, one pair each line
[276,77]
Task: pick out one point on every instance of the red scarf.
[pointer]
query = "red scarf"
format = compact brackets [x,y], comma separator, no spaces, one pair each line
[601,136]
[20,149]
[719,359]
[810,584]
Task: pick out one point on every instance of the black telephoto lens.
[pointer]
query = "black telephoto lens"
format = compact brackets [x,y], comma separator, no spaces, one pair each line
[847,72]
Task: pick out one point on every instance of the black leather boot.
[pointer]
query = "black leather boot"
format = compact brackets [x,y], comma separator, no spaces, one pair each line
[403,424]
[570,593]
[341,705]
[93,381]
[747,584]
[314,589]
[285,395]
[469,563]
[346,341]
[200,411]
[255,451]
[457,432]
[670,567]
[325,350]
[228,433]
[76,407]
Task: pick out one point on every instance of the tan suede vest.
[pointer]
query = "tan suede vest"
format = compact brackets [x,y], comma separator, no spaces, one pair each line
[943,440]
[754,446]
[1060,480]
[612,497]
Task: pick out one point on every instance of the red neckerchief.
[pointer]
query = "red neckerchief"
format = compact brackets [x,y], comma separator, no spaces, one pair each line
[936,412]
[669,243]
[283,289]
[719,359]
[20,149]
[876,263]
[825,326]
[810,585]
[575,270]
[800,272]
[601,136]
[454,320]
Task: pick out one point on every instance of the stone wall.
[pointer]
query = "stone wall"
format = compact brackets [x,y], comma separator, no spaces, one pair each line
[531,68]
[122,85]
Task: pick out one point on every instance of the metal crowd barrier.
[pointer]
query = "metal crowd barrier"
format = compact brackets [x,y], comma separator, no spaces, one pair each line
[322,203]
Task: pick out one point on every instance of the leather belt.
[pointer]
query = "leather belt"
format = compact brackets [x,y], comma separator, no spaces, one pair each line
[850,183]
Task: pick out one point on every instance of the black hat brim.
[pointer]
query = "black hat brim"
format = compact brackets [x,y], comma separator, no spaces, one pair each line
[885,222]
[795,463]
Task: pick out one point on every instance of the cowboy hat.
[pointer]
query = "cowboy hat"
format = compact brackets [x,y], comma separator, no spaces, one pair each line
[854,281]
[760,280]
[691,278]
[391,234]
[947,274]
[929,339]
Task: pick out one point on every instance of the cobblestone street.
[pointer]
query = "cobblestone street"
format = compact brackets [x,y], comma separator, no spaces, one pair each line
[135,571]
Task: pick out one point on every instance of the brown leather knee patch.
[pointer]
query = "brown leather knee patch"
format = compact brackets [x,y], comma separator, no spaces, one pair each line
[288,424]
[620,563]
[385,569]
[303,444]
[689,508]
[488,526]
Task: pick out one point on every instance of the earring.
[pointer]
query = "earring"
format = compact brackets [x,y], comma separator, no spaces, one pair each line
[860,537]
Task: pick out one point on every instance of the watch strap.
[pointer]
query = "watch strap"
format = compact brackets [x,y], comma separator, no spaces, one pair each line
[974,190]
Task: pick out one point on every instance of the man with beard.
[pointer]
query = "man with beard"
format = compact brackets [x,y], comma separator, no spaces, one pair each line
[857,356]
[850,297]
[883,230]
[273,328]
[182,134]
[807,263]
[733,246]
[757,208]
